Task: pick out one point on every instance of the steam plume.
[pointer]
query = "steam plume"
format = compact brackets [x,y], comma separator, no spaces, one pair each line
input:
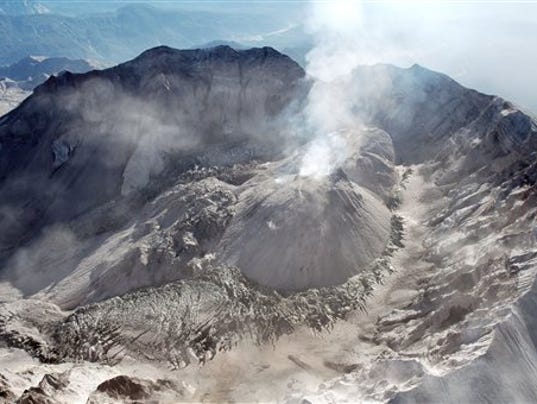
[335,28]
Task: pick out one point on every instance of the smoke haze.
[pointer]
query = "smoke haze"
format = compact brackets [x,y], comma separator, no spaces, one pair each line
[482,44]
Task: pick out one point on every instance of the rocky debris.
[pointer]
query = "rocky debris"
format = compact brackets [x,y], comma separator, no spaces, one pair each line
[154,248]
[236,175]
[212,311]
[132,389]
[215,306]
[201,215]
[46,390]
[34,395]
[25,324]
[34,346]
[32,342]
[54,381]
[6,395]
[98,342]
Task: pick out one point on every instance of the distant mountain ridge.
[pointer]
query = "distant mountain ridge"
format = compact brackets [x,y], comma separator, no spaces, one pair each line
[22,7]
[31,71]
[18,80]
[122,34]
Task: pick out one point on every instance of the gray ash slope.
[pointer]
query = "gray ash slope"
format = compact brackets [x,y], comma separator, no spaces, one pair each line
[179,173]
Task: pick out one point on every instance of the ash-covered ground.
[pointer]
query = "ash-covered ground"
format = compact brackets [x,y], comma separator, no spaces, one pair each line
[187,226]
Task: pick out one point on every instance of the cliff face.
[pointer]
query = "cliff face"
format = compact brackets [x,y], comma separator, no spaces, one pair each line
[110,130]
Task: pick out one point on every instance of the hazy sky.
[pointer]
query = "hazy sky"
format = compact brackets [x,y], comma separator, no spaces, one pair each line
[483,44]
[487,45]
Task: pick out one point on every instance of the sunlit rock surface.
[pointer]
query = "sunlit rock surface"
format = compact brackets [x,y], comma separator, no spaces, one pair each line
[287,222]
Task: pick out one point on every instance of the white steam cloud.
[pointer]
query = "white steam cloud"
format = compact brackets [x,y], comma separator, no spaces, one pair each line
[323,154]
[334,26]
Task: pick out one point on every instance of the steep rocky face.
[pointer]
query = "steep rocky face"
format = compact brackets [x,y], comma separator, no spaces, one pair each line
[420,109]
[112,130]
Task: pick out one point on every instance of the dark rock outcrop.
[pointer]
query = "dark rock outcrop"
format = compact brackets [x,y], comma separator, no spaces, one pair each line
[45,392]
[31,71]
[6,395]
[132,389]
[121,387]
